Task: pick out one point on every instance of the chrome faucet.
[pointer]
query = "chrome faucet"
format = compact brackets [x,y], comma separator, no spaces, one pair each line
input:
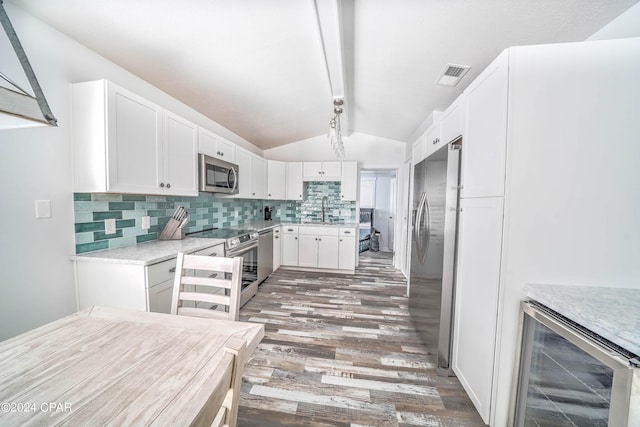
[325,199]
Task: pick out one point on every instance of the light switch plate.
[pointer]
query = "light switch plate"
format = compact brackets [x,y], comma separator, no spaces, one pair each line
[146,222]
[110,226]
[345,212]
[279,212]
[336,212]
[43,208]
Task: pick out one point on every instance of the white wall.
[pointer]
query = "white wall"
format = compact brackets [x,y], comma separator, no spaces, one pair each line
[37,283]
[369,151]
[624,26]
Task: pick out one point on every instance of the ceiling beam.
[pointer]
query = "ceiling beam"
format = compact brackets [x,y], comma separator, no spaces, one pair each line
[335,24]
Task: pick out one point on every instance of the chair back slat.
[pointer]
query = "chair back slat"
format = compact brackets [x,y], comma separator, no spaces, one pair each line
[198,292]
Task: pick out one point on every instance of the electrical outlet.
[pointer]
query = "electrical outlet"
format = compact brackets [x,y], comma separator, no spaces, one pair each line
[110,226]
[237,213]
[335,212]
[146,222]
[279,212]
[43,208]
[345,212]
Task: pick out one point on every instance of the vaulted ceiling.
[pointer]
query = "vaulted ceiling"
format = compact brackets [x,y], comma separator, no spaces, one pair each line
[269,69]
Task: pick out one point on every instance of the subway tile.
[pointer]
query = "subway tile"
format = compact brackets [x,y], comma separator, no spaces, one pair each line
[82,206]
[135,214]
[81,197]
[89,247]
[134,198]
[126,223]
[98,197]
[156,198]
[100,235]
[86,237]
[121,206]
[89,226]
[156,212]
[100,216]
[82,216]
[146,237]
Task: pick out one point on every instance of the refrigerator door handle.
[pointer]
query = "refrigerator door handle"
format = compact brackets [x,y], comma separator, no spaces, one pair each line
[417,228]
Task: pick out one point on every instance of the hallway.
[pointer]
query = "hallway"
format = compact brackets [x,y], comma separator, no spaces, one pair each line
[340,350]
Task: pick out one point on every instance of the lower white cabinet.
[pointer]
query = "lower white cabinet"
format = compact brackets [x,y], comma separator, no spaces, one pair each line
[277,248]
[318,247]
[289,245]
[477,289]
[129,286]
[347,249]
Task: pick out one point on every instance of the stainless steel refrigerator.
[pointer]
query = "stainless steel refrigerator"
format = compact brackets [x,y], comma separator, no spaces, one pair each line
[433,248]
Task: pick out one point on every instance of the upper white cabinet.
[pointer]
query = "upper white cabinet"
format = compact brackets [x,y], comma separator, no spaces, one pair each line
[485,141]
[453,120]
[252,179]
[322,171]
[126,144]
[349,184]
[214,146]
[432,140]
[276,180]
[294,185]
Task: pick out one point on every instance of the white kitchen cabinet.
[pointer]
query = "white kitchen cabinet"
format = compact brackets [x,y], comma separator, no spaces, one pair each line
[452,122]
[347,248]
[349,181]
[322,171]
[290,245]
[276,180]
[252,175]
[419,150]
[277,247]
[432,140]
[124,143]
[258,177]
[294,185]
[215,146]
[180,156]
[476,303]
[318,247]
[160,279]
[484,153]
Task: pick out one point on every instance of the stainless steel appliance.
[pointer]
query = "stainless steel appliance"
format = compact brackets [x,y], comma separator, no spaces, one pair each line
[265,254]
[242,243]
[433,248]
[570,376]
[218,176]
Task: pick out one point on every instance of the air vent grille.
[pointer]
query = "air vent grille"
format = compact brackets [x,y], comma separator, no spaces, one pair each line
[452,74]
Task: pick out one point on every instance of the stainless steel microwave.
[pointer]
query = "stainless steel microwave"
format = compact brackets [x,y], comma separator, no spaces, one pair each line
[218,176]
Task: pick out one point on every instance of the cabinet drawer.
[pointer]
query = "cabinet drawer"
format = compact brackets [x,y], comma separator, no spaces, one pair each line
[161,272]
[217,250]
[289,229]
[347,231]
[318,231]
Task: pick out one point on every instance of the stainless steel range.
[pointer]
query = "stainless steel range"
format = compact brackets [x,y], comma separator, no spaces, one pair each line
[238,243]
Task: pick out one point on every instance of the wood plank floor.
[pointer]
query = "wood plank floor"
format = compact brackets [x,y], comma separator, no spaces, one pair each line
[341,350]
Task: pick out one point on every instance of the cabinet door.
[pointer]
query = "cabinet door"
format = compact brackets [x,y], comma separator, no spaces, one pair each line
[258,177]
[180,156]
[419,150]
[243,160]
[277,248]
[452,123]
[290,249]
[349,181]
[307,250]
[160,297]
[332,171]
[432,140]
[134,141]
[476,306]
[347,253]
[484,152]
[294,181]
[276,180]
[226,150]
[328,252]
[312,171]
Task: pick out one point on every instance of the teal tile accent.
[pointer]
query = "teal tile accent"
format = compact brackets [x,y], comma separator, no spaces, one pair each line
[89,226]
[125,223]
[101,216]
[90,247]
[146,237]
[121,206]
[134,198]
[99,235]
[81,197]
[101,197]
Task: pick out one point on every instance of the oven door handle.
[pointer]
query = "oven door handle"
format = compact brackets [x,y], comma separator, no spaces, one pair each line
[241,249]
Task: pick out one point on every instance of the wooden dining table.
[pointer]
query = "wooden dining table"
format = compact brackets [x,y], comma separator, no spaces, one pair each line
[107,366]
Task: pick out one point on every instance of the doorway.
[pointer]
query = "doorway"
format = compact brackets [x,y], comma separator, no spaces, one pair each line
[378,188]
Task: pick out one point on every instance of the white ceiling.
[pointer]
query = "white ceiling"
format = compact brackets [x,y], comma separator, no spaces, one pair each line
[258,67]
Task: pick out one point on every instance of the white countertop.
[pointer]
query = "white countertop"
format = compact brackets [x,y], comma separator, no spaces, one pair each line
[147,253]
[263,225]
[612,313]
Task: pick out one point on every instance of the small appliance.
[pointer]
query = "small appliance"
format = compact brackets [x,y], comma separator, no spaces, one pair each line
[267,213]
[218,176]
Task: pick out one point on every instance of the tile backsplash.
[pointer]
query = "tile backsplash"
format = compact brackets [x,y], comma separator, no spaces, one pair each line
[205,211]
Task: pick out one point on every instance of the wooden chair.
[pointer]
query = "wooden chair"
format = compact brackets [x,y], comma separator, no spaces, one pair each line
[222,405]
[207,286]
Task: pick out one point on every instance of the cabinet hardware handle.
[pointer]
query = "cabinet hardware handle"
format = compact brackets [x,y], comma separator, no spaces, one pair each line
[289,229]
[162,185]
[214,254]
[172,270]
[296,238]
[269,194]
[168,185]
[277,237]
[347,232]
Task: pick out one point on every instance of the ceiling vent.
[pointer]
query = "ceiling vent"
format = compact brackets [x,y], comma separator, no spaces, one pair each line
[452,74]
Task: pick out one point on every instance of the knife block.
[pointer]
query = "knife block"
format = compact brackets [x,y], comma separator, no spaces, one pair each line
[172,231]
